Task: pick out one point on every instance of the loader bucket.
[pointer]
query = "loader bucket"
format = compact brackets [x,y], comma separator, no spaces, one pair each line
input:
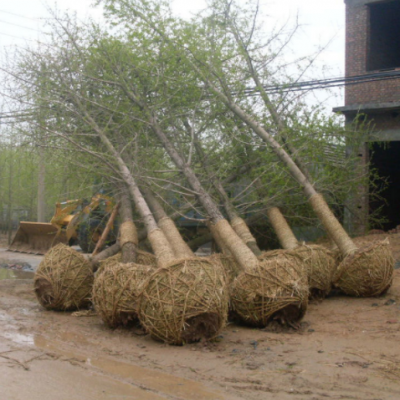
[36,238]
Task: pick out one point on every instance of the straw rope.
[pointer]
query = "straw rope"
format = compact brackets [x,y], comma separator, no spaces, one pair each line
[142,258]
[282,229]
[218,239]
[228,263]
[332,225]
[277,288]
[242,230]
[241,253]
[367,272]
[128,233]
[161,247]
[115,292]
[320,264]
[179,246]
[63,280]
[184,302]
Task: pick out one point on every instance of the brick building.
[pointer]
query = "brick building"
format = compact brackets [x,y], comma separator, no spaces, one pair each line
[373,53]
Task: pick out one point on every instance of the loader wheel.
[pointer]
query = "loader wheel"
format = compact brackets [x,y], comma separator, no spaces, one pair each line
[89,233]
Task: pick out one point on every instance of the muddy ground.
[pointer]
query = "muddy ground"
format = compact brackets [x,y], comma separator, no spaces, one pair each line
[347,348]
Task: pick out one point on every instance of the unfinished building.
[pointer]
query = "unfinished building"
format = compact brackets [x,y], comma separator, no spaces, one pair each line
[373,54]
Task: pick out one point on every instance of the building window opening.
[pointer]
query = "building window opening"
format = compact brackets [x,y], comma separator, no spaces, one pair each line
[384,36]
[385,160]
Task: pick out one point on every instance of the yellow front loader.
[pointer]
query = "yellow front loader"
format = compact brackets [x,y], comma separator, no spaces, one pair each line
[38,237]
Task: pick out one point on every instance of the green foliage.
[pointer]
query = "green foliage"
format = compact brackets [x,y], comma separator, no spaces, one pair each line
[152,66]
[19,183]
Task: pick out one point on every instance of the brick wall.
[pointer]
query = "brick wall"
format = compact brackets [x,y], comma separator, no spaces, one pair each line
[357,20]
[383,121]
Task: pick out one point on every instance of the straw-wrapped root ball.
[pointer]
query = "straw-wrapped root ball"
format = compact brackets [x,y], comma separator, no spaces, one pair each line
[337,256]
[185,302]
[231,267]
[367,272]
[142,258]
[276,289]
[320,265]
[63,280]
[115,292]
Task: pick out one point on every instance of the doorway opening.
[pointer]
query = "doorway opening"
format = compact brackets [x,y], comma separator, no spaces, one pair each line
[385,158]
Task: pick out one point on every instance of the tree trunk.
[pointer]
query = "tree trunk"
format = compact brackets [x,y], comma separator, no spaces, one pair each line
[276,118]
[167,225]
[285,235]
[159,242]
[243,255]
[104,234]
[319,205]
[10,196]
[216,236]
[41,189]
[128,238]
[108,252]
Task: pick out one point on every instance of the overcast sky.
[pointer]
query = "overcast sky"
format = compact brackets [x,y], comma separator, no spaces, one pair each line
[322,21]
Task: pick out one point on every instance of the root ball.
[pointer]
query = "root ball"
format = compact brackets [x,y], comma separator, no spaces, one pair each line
[230,266]
[320,265]
[367,272]
[276,289]
[115,292]
[63,280]
[185,302]
[142,258]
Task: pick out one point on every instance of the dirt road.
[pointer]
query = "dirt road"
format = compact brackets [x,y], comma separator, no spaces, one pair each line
[347,348]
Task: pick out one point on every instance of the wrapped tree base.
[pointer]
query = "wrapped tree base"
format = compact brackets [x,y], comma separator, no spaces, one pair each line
[275,290]
[185,302]
[63,280]
[231,267]
[320,265]
[115,292]
[367,272]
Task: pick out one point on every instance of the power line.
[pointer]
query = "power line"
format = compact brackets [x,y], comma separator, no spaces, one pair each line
[323,83]
[19,26]
[16,37]
[19,15]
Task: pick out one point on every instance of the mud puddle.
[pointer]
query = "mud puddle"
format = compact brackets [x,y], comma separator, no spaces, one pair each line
[155,381]
[144,380]
[7,273]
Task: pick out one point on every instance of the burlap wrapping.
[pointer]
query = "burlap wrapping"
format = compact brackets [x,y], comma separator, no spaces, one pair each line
[241,253]
[367,272]
[115,292]
[128,233]
[179,246]
[332,225]
[282,229]
[185,302]
[161,247]
[64,279]
[276,289]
